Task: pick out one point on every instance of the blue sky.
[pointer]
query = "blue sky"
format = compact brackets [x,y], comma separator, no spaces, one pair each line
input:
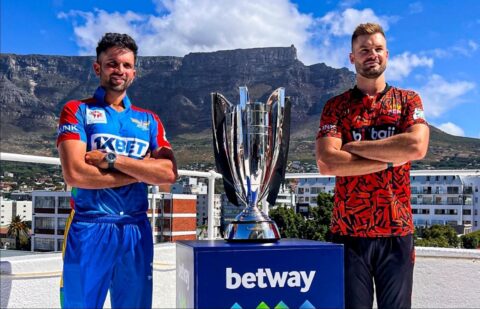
[434,45]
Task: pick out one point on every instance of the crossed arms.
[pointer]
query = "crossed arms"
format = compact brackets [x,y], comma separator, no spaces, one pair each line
[88,170]
[365,157]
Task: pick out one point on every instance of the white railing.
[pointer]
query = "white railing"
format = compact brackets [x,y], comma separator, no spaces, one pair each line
[211,176]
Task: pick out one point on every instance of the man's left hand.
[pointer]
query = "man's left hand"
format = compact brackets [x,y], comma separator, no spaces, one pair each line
[96,158]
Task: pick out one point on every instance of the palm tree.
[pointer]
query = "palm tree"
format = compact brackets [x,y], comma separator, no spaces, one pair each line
[19,230]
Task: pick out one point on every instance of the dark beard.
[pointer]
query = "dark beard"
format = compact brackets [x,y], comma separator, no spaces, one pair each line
[119,88]
[371,74]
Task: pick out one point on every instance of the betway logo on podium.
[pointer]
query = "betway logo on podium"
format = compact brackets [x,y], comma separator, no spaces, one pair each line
[265,278]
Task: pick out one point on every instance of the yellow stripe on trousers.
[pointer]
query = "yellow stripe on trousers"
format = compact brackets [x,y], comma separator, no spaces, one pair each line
[65,236]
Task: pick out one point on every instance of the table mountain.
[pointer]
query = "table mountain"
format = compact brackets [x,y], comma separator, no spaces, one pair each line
[33,88]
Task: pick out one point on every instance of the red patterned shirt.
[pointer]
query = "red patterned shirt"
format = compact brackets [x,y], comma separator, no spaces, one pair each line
[377,204]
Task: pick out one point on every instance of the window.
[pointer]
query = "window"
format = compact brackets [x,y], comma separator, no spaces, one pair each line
[452,190]
[467,212]
[64,202]
[44,244]
[445,211]
[453,201]
[44,223]
[45,202]
[61,223]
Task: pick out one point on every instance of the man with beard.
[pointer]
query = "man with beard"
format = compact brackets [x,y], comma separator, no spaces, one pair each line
[110,150]
[367,138]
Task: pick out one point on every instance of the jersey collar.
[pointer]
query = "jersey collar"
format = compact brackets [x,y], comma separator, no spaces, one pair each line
[357,93]
[99,95]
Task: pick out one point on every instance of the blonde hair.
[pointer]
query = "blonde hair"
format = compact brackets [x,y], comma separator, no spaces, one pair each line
[367,28]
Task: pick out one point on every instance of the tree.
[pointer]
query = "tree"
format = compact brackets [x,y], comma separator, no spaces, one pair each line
[315,226]
[18,229]
[471,240]
[321,217]
[438,236]
[289,223]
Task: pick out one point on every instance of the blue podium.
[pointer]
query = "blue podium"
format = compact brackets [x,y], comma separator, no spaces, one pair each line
[290,273]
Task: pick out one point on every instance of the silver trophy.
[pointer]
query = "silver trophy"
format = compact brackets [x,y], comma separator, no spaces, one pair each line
[251,147]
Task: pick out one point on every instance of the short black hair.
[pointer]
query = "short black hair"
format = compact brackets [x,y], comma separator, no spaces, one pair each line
[116,40]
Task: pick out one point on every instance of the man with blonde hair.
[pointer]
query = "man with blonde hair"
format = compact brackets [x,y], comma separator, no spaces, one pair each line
[367,137]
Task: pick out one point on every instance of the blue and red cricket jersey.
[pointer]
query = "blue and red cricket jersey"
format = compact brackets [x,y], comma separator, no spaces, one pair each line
[108,238]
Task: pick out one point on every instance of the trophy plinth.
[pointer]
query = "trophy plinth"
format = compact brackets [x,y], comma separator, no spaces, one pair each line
[250,142]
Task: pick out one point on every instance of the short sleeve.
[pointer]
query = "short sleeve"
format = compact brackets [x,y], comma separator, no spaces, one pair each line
[329,121]
[71,123]
[413,112]
[158,138]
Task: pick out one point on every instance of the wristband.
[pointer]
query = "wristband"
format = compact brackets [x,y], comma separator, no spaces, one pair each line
[389,165]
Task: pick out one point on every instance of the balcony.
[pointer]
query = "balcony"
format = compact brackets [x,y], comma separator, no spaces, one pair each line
[443,278]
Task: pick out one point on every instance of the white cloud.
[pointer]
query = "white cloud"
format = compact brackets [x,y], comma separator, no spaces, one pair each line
[179,27]
[439,95]
[344,23]
[473,45]
[415,8]
[452,129]
[400,66]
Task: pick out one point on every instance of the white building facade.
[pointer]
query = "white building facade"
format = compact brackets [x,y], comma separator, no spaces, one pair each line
[437,197]
[9,209]
[172,217]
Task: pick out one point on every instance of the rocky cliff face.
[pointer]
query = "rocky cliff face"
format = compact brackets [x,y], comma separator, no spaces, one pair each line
[33,88]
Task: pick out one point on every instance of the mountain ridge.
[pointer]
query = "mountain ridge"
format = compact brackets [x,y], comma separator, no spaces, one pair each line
[33,88]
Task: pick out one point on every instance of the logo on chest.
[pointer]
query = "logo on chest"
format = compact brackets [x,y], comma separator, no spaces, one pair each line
[142,125]
[125,146]
[96,116]
[372,133]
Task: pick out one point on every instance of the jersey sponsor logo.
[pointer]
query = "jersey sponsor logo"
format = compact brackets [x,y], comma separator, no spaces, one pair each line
[327,127]
[395,111]
[418,114]
[373,133]
[67,128]
[265,278]
[125,146]
[142,125]
[96,116]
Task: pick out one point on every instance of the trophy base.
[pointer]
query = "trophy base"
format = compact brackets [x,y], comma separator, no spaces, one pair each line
[252,231]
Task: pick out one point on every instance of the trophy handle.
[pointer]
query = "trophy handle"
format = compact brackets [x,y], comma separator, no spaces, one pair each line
[219,104]
[281,166]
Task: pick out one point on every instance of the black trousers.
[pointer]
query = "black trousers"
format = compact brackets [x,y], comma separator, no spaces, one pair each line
[386,262]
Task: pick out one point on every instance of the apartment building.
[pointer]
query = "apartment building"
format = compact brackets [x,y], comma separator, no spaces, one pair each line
[173,217]
[9,209]
[202,213]
[438,197]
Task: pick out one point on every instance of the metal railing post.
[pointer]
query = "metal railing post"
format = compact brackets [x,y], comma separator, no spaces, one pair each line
[211,205]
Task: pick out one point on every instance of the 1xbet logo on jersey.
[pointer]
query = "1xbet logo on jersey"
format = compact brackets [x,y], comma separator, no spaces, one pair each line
[125,146]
